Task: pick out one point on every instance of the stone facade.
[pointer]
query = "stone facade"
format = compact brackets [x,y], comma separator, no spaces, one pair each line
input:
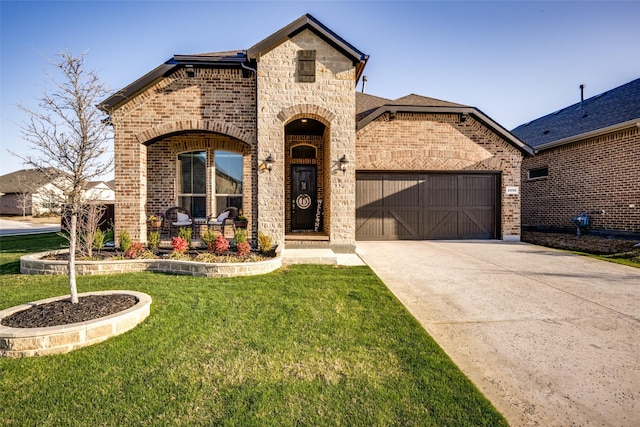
[594,174]
[442,142]
[331,101]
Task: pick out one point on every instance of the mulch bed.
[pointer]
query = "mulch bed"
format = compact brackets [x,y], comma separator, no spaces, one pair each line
[63,312]
[585,243]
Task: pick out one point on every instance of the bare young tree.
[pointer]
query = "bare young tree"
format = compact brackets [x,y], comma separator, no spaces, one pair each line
[68,134]
[24,195]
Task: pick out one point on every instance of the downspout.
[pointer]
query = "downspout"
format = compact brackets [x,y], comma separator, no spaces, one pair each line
[254,225]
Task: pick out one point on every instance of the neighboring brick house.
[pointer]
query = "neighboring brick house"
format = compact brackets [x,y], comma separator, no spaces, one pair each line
[587,160]
[279,131]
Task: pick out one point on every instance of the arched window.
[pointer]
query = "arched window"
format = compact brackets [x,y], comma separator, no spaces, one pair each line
[303,151]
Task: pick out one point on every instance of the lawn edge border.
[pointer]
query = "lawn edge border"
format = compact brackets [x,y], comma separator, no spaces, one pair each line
[27,342]
[34,264]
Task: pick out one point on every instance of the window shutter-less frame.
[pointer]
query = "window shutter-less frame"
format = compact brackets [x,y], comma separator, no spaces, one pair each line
[307,66]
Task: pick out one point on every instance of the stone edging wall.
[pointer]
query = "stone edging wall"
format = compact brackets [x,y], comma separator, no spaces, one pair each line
[34,264]
[25,342]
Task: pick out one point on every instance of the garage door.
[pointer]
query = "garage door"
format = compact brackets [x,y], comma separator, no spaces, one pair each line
[426,206]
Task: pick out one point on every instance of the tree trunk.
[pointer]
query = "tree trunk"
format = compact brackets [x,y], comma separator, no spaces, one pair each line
[72,258]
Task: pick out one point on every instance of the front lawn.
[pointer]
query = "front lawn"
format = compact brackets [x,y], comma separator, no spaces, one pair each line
[307,345]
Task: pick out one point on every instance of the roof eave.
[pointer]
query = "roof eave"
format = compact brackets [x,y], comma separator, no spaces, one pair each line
[516,142]
[164,70]
[308,21]
[586,135]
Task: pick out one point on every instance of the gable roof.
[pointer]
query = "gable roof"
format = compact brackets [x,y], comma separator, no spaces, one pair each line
[307,21]
[616,108]
[238,58]
[413,99]
[27,180]
[369,108]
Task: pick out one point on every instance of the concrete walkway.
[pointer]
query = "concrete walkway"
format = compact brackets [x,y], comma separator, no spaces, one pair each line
[550,338]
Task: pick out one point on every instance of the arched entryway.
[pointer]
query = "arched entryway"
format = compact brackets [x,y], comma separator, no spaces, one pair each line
[305,177]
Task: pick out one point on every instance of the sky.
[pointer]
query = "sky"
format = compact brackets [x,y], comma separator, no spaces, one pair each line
[514,60]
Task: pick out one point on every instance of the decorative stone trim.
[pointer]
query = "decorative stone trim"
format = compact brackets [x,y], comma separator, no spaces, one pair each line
[25,342]
[34,264]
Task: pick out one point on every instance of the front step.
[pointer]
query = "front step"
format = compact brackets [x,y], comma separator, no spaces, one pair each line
[308,256]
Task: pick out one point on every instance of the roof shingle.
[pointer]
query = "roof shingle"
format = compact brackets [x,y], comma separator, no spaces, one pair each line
[610,108]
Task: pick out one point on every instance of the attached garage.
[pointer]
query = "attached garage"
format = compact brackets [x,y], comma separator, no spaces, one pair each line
[418,206]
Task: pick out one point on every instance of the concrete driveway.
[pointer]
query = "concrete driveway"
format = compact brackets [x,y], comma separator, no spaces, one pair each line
[550,338]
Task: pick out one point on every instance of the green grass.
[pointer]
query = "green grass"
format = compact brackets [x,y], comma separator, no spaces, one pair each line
[307,345]
[630,260]
[12,248]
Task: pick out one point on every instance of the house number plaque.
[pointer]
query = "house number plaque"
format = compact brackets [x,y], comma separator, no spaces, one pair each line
[303,201]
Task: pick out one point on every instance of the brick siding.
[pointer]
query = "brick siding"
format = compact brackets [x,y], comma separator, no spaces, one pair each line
[600,173]
[152,127]
[442,142]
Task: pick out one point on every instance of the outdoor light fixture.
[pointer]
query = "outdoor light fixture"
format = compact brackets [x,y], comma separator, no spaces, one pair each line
[190,70]
[343,163]
[269,162]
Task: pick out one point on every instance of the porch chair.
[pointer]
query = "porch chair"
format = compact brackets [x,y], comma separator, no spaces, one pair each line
[177,217]
[225,218]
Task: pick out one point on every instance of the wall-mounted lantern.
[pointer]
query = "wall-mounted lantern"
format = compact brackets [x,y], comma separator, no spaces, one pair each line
[343,163]
[269,161]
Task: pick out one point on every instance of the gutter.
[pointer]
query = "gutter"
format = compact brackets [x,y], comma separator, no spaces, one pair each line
[590,134]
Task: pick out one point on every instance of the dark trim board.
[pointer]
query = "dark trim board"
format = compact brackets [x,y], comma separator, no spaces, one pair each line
[425,205]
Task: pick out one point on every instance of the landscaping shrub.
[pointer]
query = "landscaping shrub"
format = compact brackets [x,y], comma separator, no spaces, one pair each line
[243,248]
[265,242]
[209,239]
[134,250]
[221,245]
[240,236]
[125,240]
[99,239]
[179,244]
[154,240]
[186,234]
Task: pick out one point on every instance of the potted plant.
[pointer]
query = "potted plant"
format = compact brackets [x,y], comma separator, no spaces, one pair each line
[155,221]
[241,221]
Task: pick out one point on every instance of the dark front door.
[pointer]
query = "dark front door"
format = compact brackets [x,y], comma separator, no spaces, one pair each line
[303,197]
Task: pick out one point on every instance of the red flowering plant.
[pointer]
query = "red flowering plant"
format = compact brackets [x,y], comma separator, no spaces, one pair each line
[221,245]
[180,245]
[243,248]
[134,251]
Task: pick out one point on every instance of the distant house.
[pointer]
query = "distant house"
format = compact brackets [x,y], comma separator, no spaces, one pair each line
[279,132]
[30,192]
[38,192]
[587,161]
[99,191]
